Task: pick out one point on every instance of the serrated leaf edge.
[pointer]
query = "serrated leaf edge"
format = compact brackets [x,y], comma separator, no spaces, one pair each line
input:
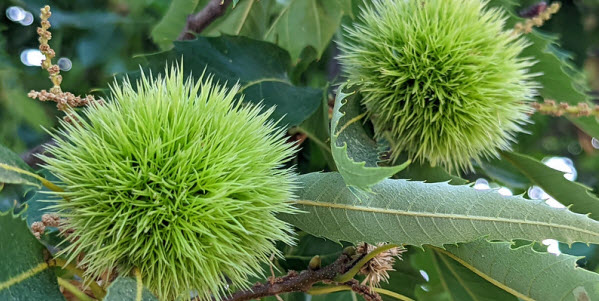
[389,170]
[442,215]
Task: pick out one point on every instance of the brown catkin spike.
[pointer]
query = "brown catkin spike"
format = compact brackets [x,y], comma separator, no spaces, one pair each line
[550,107]
[65,101]
[538,20]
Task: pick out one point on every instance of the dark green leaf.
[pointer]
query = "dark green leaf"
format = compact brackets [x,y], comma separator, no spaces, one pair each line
[316,128]
[259,67]
[422,171]
[450,280]
[505,173]
[24,275]
[404,279]
[14,171]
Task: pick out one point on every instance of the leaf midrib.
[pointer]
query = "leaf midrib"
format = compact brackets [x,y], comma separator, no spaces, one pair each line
[23,276]
[456,276]
[276,21]
[441,215]
[484,275]
[262,80]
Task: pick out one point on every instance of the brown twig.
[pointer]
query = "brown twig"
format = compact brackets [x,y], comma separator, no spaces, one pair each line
[304,280]
[197,22]
[364,290]
[293,281]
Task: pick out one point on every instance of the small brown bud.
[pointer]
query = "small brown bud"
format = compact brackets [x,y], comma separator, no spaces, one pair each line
[32,94]
[39,228]
[56,90]
[349,251]
[54,69]
[51,220]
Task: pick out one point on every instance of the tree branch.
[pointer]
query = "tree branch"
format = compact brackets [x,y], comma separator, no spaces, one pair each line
[196,23]
[303,282]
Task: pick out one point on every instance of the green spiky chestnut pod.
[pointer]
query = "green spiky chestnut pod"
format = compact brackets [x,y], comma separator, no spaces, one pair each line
[175,178]
[441,79]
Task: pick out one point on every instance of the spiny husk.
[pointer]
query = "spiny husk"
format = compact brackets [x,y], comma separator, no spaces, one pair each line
[441,79]
[178,179]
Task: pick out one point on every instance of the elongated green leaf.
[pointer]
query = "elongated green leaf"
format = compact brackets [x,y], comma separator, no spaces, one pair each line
[416,213]
[573,194]
[127,289]
[356,154]
[14,171]
[303,23]
[249,18]
[449,280]
[436,287]
[24,275]
[173,22]
[526,273]
[259,67]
